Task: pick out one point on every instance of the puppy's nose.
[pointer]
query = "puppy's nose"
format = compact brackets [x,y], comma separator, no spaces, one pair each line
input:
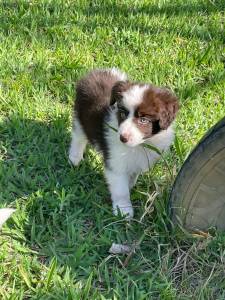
[124,138]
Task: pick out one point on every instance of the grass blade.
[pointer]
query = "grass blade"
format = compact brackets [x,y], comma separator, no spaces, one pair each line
[51,272]
[25,277]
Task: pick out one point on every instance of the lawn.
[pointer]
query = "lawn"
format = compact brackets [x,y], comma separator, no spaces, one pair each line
[56,244]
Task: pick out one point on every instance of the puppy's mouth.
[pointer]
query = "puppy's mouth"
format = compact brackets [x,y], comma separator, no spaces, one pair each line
[128,141]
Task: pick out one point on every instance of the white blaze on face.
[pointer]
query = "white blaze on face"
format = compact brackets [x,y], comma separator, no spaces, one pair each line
[134,96]
[131,99]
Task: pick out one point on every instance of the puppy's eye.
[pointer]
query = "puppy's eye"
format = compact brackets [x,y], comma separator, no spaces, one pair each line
[123,113]
[144,120]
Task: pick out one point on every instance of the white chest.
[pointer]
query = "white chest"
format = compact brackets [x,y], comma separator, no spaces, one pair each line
[136,159]
[130,160]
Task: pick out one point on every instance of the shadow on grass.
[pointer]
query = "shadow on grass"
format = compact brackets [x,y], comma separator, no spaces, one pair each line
[169,8]
[34,156]
[56,19]
[61,203]
[202,30]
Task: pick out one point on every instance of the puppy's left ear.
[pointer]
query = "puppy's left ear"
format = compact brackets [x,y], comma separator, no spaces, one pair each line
[168,108]
[117,90]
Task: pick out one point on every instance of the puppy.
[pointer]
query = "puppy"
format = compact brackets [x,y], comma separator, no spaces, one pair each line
[140,113]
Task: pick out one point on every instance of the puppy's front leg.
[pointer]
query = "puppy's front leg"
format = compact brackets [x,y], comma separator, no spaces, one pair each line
[120,195]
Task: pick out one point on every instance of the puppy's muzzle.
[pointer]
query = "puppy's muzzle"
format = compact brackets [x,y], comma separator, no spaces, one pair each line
[124,138]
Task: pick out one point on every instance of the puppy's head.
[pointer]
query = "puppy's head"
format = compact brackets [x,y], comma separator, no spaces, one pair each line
[143,110]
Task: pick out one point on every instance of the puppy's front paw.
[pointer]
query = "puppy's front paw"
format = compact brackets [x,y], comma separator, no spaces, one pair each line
[75,158]
[126,211]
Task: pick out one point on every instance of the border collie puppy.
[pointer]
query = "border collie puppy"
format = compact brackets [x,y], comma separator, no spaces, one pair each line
[140,113]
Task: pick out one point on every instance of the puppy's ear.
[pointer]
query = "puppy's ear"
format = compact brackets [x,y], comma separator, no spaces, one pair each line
[117,90]
[168,107]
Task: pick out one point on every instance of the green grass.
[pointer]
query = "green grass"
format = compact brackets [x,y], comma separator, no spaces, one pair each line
[56,245]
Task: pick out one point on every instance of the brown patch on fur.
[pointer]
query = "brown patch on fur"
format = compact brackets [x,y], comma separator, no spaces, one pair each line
[160,105]
[93,97]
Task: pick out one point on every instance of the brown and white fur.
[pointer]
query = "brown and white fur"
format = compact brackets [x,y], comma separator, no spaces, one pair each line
[141,113]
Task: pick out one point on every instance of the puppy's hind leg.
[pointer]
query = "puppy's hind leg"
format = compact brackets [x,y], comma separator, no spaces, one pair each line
[78,144]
